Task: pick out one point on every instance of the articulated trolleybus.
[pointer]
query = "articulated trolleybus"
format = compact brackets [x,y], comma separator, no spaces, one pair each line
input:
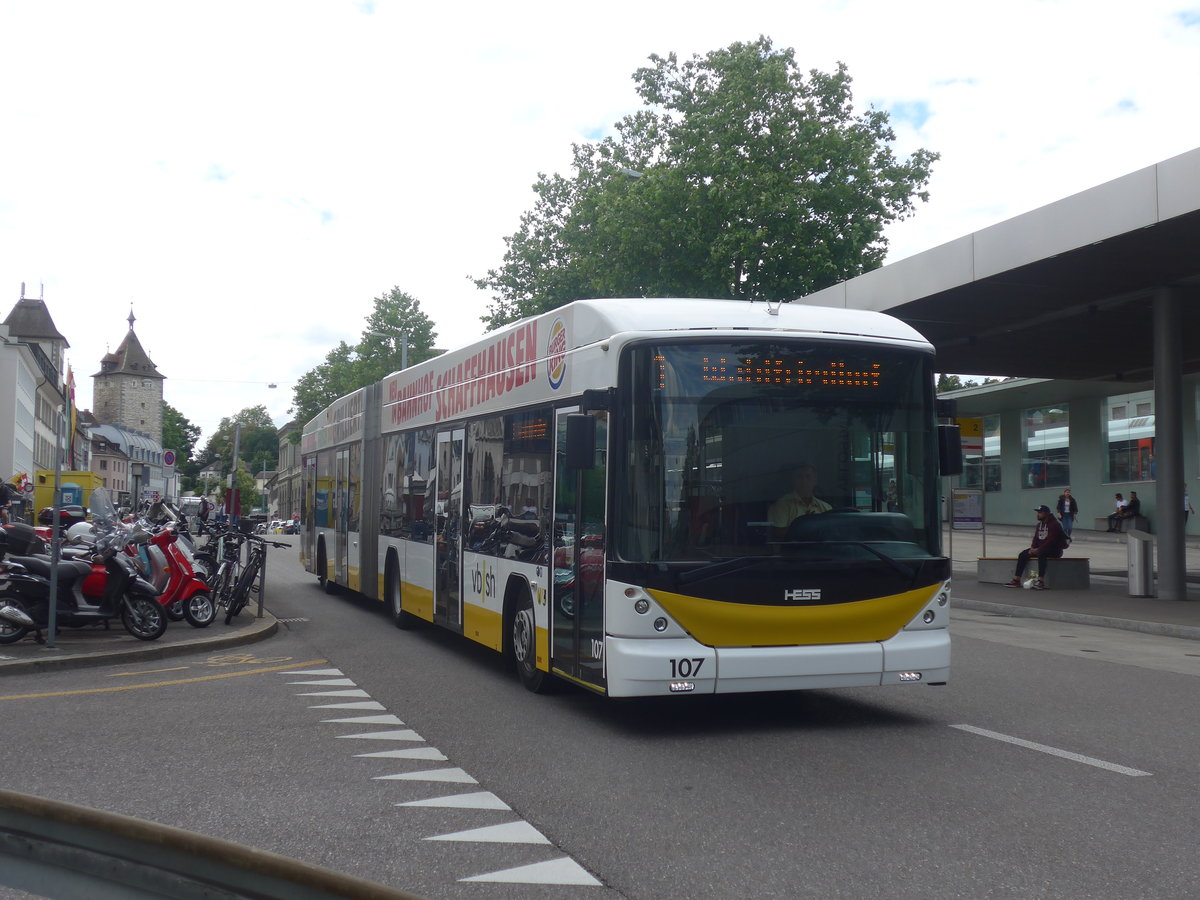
[602,494]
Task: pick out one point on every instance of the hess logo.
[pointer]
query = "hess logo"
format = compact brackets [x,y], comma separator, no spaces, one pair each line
[799,594]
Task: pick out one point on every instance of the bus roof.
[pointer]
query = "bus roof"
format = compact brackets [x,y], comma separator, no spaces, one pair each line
[536,350]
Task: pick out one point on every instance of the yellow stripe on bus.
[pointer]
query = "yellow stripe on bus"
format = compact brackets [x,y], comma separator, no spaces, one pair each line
[723,624]
[483,625]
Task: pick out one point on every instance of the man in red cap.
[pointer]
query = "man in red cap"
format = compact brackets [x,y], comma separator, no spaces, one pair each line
[1049,541]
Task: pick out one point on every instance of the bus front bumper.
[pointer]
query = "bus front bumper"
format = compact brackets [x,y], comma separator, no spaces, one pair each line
[654,667]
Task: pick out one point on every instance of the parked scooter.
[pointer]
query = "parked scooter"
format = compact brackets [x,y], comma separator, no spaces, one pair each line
[165,562]
[88,593]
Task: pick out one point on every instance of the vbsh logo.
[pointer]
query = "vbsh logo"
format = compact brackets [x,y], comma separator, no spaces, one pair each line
[800,594]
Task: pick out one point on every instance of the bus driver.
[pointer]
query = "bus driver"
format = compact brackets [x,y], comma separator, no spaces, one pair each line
[799,501]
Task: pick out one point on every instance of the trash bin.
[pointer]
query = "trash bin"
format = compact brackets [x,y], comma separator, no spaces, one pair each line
[1140,545]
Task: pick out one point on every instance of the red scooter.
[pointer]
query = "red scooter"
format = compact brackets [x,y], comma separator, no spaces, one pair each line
[178,585]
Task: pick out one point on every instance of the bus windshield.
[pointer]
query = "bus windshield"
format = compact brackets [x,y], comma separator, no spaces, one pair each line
[825,451]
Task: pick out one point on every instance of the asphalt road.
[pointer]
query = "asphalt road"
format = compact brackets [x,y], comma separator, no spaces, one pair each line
[1059,762]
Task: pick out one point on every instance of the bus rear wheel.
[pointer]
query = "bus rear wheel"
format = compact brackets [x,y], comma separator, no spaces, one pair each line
[524,647]
[404,620]
[327,586]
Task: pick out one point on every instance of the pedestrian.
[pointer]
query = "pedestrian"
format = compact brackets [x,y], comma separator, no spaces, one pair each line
[6,499]
[1114,520]
[205,508]
[1187,507]
[1068,510]
[1048,543]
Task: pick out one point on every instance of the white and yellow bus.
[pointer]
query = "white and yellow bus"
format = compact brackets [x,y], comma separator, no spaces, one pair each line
[591,492]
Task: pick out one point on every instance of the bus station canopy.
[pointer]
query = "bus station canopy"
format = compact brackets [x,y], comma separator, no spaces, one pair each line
[1060,292]
[1101,287]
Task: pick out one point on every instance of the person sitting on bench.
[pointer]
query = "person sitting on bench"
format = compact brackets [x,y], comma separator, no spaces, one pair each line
[1048,543]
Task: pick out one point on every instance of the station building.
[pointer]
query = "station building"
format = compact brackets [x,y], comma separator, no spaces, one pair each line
[1098,439]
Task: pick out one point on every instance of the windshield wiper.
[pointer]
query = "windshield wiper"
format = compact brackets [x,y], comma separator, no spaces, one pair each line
[724,567]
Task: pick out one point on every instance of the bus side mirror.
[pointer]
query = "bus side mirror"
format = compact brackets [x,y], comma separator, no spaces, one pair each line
[950,457]
[581,441]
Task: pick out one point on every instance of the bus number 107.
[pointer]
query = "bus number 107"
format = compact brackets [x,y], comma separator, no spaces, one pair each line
[686,668]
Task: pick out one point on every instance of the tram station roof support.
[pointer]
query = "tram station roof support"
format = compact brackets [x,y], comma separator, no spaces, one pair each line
[1112,272]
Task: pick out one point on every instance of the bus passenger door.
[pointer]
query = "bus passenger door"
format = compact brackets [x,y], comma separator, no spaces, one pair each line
[577,597]
[340,513]
[447,576]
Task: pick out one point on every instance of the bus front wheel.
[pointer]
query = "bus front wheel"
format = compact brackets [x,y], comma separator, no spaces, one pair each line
[524,647]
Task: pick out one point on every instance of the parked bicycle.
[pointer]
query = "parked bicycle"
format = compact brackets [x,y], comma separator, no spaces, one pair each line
[249,580]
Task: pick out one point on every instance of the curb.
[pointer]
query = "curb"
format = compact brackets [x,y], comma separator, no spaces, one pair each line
[260,630]
[1162,629]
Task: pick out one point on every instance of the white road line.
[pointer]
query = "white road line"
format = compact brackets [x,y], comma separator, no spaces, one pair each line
[555,871]
[414,753]
[406,734]
[1053,751]
[314,672]
[328,682]
[359,704]
[520,832]
[476,800]
[387,719]
[348,693]
[455,776]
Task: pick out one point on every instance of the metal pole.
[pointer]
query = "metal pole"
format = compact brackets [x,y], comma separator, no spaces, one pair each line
[1168,442]
[262,582]
[56,511]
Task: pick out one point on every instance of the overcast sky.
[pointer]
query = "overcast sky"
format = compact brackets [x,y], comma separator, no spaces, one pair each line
[249,176]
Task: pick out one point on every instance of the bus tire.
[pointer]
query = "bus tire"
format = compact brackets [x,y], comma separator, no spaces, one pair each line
[523,643]
[327,586]
[395,594]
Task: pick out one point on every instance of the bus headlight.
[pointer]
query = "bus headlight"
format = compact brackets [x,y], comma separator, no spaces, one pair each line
[929,616]
[642,606]
[660,624]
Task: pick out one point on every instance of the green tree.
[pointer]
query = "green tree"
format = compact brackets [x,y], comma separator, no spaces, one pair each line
[258,436]
[742,178]
[346,368]
[180,435]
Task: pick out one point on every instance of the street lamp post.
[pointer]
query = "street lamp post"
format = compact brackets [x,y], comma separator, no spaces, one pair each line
[403,336]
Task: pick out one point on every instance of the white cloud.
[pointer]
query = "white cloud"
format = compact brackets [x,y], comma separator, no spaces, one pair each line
[251,175]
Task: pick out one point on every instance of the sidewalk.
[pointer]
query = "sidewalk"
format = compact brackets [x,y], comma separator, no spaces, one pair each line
[1107,603]
[80,647]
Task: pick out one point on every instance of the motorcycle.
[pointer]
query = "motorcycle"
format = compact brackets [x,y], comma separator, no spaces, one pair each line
[89,593]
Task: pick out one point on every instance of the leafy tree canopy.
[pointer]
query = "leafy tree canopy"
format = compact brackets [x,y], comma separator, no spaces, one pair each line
[180,435]
[397,316]
[258,437]
[742,178]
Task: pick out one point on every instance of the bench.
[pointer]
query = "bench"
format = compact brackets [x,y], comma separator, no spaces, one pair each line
[1064,573]
[1141,523]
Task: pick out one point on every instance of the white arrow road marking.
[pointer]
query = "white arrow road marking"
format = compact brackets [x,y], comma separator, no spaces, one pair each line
[315,672]
[477,800]
[328,682]
[335,694]
[368,720]
[406,734]
[414,753]
[1053,751]
[555,871]
[508,833]
[360,704]
[458,776]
